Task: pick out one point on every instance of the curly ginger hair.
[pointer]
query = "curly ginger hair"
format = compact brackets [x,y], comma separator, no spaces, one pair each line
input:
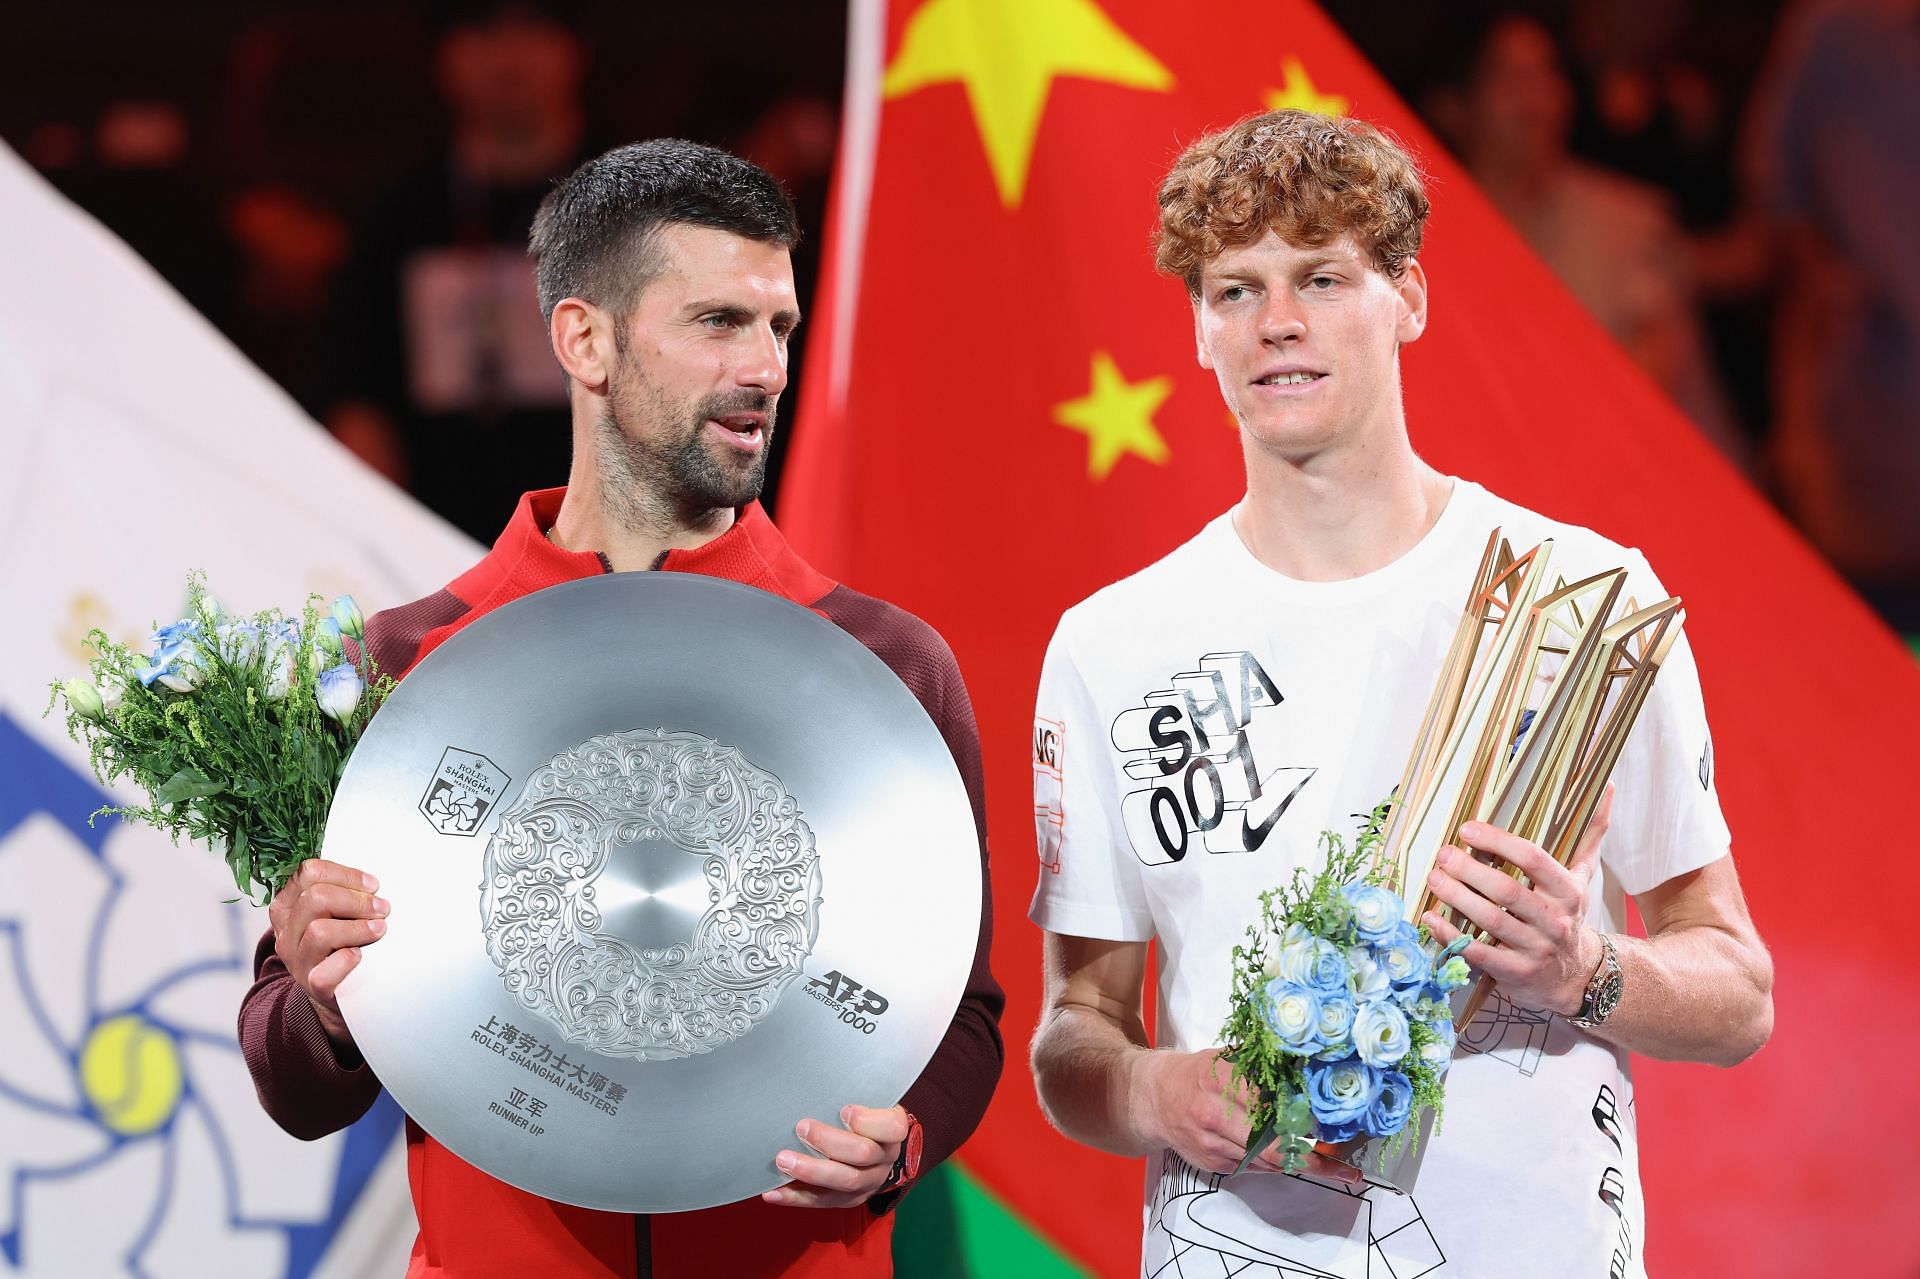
[1309,178]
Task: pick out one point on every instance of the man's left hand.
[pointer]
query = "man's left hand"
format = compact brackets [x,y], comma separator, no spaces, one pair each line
[1546,953]
[848,1164]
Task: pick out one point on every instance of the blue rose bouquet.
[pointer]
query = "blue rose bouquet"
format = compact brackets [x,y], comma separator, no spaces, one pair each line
[236,728]
[1340,1023]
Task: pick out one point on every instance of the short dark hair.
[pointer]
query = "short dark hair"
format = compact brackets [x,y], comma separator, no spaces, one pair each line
[592,238]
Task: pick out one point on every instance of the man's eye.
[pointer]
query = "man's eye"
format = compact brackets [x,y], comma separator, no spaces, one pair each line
[717,321]
[1232,293]
[1322,282]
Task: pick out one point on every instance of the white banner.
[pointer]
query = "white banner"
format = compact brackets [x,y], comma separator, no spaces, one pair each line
[136,444]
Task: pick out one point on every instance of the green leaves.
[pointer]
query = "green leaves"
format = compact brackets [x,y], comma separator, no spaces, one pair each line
[241,758]
[1290,1125]
[188,783]
[239,860]
[1295,1131]
[1258,1140]
[319,770]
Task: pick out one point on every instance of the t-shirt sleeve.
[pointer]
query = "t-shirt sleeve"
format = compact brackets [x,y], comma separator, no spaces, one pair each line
[1089,878]
[1666,809]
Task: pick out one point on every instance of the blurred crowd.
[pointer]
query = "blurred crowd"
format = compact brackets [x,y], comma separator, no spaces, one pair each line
[1721,188]
[344,190]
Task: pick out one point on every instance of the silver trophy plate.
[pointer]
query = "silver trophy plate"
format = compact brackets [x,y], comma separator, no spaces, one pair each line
[674,864]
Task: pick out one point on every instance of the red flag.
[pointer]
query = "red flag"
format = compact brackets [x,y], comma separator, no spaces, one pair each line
[1003,413]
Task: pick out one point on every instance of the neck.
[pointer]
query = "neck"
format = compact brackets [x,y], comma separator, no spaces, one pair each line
[632,527]
[1339,515]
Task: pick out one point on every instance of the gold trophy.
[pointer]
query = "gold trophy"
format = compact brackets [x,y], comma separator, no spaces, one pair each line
[1532,707]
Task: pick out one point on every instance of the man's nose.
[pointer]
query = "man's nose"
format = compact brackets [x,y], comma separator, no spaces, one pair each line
[763,365]
[1282,319]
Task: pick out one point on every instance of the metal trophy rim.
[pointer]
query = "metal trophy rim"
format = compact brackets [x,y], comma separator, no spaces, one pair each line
[719,1036]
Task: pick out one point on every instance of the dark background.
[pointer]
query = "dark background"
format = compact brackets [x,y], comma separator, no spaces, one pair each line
[271,160]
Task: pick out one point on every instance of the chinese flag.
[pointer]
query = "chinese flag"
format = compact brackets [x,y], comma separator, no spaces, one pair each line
[1003,413]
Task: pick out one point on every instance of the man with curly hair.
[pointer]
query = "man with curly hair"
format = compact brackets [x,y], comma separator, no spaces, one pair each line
[1213,713]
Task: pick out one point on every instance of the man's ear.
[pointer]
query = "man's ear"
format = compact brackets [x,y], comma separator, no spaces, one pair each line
[1199,336]
[583,342]
[1412,288]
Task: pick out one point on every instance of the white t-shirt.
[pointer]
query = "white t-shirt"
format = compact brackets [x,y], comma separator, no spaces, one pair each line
[1315,691]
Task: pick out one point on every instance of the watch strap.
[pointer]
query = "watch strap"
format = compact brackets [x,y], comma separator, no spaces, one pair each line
[1602,994]
[906,1164]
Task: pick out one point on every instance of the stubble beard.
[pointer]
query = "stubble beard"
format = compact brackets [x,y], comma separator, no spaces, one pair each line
[659,471]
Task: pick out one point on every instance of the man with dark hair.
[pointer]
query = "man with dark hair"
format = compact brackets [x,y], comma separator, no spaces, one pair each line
[595,234]
[664,275]
[1264,682]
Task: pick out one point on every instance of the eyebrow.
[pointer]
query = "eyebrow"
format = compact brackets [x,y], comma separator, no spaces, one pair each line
[733,310]
[1250,276]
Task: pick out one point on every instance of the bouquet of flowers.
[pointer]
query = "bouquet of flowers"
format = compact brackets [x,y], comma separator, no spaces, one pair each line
[1340,1020]
[236,728]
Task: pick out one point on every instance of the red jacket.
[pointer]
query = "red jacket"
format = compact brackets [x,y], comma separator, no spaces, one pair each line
[472,1225]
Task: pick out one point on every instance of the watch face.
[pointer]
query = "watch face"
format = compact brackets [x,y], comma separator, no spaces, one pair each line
[916,1139]
[1608,998]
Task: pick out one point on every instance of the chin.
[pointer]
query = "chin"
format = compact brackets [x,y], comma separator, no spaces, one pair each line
[1292,442]
[738,494]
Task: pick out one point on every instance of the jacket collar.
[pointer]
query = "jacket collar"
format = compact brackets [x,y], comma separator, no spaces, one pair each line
[523,560]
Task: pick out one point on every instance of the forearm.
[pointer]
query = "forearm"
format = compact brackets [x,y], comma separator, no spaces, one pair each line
[1087,1069]
[300,1076]
[1698,987]
[1699,993]
[952,1094]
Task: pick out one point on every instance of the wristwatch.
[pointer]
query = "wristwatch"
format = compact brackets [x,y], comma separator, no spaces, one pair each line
[1603,988]
[906,1164]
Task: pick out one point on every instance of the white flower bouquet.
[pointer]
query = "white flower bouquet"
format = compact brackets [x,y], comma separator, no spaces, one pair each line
[235,728]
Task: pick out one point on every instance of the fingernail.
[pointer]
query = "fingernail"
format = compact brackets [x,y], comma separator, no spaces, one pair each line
[373,885]
[786,1160]
[846,1116]
[381,906]
[376,926]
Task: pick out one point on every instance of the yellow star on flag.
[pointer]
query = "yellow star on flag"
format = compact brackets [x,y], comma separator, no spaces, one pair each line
[1298,91]
[1007,54]
[1116,416]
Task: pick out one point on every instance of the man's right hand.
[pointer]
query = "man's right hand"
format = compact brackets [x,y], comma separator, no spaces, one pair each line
[1100,1084]
[1187,1105]
[321,919]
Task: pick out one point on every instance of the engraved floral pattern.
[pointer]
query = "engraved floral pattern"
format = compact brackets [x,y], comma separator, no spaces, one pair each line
[543,926]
